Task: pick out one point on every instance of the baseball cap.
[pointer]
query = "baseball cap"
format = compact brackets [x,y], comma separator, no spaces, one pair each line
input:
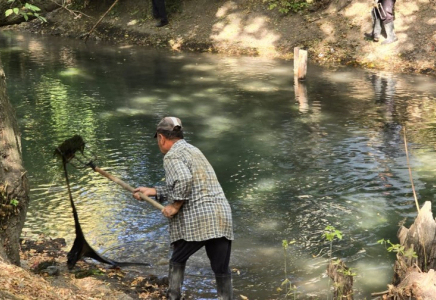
[168,123]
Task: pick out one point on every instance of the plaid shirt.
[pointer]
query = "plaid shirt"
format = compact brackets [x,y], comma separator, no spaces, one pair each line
[205,214]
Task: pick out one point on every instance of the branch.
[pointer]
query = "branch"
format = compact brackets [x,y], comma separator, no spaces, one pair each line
[76,13]
[98,22]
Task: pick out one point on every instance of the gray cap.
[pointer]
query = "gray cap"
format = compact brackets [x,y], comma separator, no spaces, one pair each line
[168,123]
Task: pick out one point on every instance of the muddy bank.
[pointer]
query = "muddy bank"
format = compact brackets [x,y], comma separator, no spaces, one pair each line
[44,275]
[333,35]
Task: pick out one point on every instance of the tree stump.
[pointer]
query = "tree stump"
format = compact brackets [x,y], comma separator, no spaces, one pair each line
[343,280]
[415,278]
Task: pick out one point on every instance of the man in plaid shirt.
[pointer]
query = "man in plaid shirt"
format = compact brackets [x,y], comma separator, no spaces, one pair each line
[198,212]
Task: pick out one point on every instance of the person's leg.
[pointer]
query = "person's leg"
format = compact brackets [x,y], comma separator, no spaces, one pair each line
[176,274]
[388,21]
[155,9]
[376,26]
[160,5]
[218,251]
[182,250]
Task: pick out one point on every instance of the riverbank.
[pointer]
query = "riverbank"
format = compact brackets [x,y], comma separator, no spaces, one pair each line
[44,275]
[333,35]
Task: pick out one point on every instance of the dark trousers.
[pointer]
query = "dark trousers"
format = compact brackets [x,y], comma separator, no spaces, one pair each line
[218,250]
[159,10]
[388,7]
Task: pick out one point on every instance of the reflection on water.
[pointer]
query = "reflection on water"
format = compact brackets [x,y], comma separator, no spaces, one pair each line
[292,158]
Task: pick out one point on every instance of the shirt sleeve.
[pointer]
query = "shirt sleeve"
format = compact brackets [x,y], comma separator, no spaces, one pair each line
[161,193]
[178,179]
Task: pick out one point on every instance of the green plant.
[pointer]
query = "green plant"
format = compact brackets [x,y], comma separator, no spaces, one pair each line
[330,233]
[286,6]
[26,11]
[289,288]
[343,270]
[14,202]
[397,248]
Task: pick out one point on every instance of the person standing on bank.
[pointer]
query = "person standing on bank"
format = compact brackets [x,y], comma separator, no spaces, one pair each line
[160,12]
[199,213]
[383,13]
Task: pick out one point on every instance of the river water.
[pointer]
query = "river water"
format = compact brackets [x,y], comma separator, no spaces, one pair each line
[291,162]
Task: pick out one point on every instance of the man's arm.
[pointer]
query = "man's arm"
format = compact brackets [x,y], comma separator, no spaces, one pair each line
[172,209]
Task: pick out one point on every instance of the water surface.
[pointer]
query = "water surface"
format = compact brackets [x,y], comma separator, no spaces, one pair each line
[291,162]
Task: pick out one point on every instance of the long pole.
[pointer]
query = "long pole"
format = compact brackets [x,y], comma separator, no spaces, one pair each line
[410,170]
[98,22]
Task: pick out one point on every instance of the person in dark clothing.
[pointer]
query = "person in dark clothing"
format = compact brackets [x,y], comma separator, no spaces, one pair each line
[160,12]
[383,15]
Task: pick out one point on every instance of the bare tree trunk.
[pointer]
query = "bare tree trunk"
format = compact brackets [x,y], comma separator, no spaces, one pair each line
[415,277]
[14,189]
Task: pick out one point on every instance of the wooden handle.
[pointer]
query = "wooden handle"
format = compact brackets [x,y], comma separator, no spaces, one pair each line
[128,187]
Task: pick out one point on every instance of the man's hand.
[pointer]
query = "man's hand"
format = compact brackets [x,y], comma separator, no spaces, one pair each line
[144,190]
[172,209]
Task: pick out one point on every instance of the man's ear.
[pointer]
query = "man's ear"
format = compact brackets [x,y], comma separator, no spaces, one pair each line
[162,138]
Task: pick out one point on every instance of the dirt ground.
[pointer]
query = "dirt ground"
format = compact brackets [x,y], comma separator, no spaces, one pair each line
[333,35]
[44,275]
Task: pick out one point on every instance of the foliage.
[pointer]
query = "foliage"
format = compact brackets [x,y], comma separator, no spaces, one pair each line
[330,233]
[287,6]
[28,10]
[397,248]
[345,271]
[289,288]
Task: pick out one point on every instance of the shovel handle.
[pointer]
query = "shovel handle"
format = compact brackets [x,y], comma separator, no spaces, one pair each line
[128,187]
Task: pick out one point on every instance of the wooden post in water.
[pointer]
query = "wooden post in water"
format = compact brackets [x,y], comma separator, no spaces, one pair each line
[301,95]
[300,68]
[296,58]
[300,63]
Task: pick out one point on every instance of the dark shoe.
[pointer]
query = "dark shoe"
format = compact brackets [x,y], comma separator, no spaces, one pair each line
[391,37]
[224,287]
[162,23]
[175,278]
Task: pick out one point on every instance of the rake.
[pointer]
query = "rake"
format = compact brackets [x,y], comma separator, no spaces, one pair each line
[67,152]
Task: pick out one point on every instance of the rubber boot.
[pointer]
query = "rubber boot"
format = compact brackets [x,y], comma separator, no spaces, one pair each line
[376,33]
[175,278]
[391,37]
[376,29]
[224,287]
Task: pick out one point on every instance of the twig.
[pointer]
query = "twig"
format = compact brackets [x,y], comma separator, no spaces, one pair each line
[76,13]
[410,171]
[379,293]
[98,22]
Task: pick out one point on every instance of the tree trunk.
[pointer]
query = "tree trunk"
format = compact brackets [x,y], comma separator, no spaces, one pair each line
[342,280]
[14,189]
[415,277]
[44,5]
